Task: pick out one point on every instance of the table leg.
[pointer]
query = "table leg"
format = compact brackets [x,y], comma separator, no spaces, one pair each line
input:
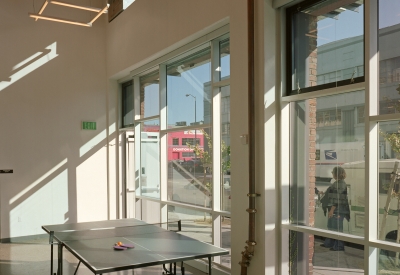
[165,269]
[60,259]
[209,265]
[174,268]
[51,241]
[51,260]
[182,269]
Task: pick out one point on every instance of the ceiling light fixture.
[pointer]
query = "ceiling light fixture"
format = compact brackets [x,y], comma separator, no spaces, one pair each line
[61,20]
[65,4]
[57,19]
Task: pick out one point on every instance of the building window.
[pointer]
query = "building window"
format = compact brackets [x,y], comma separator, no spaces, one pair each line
[329,118]
[175,141]
[190,141]
[360,114]
[127,113]
[188,155]
[325,45]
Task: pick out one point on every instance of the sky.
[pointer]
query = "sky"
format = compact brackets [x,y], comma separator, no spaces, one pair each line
[181,107]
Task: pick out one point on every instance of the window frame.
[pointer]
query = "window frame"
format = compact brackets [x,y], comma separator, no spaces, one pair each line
[290,11]
[370,241]
[212,41]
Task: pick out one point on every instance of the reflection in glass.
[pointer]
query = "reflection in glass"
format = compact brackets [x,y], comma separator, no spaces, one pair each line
[225,148]
[327,44]
[389,185]
[150,158]
[195,224]
[226,240]
[388,262]
[149,95]
[389,57]
[127,104]
[189,167]
[189,90]
[224,59]
[327,185]
[307,255]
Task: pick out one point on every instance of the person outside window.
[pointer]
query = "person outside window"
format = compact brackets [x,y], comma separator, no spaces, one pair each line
[335,202]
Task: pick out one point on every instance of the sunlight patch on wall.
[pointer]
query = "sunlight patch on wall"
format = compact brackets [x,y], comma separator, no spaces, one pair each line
[38,181]
[96,140]
[30,64]
[47,205]
[91,187]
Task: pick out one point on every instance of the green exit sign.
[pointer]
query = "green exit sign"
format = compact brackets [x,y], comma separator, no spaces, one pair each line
[88,125]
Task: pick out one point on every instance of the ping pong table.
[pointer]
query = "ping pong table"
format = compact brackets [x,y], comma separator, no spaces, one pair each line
[92,244]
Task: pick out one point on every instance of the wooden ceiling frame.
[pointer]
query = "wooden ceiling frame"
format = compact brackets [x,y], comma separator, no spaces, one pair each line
[39,15]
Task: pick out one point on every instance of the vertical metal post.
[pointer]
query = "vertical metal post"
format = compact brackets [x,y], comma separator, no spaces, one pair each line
[247,254]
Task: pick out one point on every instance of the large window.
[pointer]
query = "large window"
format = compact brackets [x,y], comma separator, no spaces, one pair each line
[326,45]
[344,142]
[332,184]
[181,166]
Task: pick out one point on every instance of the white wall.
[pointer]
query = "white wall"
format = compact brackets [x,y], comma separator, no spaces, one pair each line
[58,168]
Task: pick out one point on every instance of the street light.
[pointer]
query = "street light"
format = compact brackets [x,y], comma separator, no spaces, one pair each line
[194,106]
[195,131]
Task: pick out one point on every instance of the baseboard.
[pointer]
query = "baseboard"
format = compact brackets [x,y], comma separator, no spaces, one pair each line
[39,238]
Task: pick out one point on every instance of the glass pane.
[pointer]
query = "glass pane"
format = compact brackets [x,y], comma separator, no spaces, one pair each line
[388,262]
[226,148]
[389,185]
[127,104]
[150,159]
[311,254]
[225,59]
[226,240]
[327,44]
[195,224]
[189,90]
[328,164]
[149,95]
[389,56]
[189,169]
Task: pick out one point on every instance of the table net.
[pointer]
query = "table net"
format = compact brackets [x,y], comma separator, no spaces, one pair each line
[108,232]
